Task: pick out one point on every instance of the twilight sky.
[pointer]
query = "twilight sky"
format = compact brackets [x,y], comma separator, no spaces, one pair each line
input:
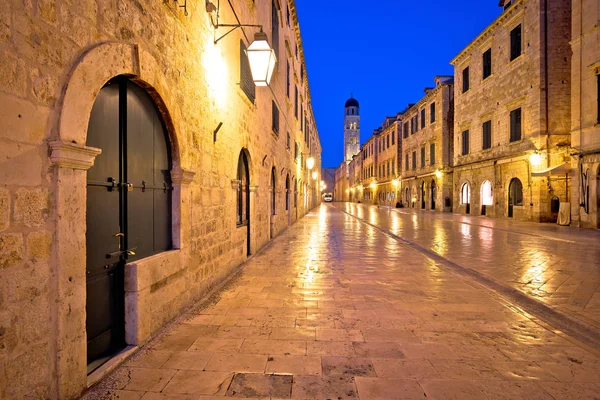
[385,52]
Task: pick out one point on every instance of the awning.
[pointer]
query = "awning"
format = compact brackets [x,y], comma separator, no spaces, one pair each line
[555,170]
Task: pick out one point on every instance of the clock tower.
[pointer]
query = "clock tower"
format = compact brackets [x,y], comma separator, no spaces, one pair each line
[351,129]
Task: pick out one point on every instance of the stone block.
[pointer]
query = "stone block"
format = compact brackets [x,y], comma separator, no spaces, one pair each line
[4,209]
[27,283]
[23,121]
[21,164]
[39,245]
[12,249]
[31,206]
[35,360]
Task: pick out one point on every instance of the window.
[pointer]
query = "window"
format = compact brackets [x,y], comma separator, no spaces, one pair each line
[246,81]
[465,80]
[275,28]
[393,137]
[288,142]
[432,154]
[487,198]
[288,79]
[515,125]
[287,192]
[275,118]
[487,134]
[487,63]
[416,122]
[515,192]
[302,119]
[422,157]
[515,43]
[243,190]
[414,160]
[296,101]
[405,134]
[288,14]
[465,194]
[296,151]
[422,118]
[393,167]
[465,143]
[388,141]
[406,162]
[432,112]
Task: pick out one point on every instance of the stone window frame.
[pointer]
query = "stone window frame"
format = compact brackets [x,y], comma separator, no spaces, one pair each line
[71,159]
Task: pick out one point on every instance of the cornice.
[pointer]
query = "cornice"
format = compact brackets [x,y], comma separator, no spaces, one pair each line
[72,155]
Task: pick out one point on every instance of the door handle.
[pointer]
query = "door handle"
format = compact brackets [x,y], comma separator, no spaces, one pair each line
[128,252]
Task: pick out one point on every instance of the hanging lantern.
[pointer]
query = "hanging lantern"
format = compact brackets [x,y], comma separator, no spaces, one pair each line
[262,59]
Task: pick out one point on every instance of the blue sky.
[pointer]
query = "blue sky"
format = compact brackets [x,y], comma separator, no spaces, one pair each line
[385,52]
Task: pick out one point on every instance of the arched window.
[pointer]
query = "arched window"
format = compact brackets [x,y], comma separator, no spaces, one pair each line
[273,192]
[465,194]
[487,197]
[515,192]
[243,193]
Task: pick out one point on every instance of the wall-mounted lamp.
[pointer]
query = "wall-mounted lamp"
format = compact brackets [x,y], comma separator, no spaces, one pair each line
[373,185]
[438,174]
[535,159]
[261,56]
[395,182]
[310,163]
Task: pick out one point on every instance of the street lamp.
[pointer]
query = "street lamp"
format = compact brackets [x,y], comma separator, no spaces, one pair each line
[315,175]
[310,163]
[438,174]
[373,185]
[262,59]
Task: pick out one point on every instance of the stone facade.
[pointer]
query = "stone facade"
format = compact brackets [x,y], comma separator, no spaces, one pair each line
[56,58]
[585,114]
[426,157]
[388,142]
[513,87]
[351,129]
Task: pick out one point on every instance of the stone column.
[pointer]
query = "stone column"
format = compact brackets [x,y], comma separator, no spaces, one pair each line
[69,261]
[181,180]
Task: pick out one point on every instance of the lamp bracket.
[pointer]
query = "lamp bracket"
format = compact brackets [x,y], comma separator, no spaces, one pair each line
[210,8]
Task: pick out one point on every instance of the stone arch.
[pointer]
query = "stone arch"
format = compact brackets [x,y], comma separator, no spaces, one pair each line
[94,69]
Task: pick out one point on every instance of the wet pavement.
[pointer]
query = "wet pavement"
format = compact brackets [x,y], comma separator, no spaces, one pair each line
[335,309]
[559,266]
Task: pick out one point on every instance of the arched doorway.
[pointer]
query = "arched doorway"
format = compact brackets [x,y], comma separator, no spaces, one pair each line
[423,195]
[273,202]
[433,191]
[287,199]
[515,195]
[465,197]
[128,206]
[487,196]
[243,196]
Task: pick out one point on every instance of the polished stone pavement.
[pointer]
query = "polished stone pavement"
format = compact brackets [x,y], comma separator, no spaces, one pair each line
[335,309]
[556,265]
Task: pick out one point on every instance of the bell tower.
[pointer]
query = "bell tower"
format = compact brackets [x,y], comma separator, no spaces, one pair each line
[351,129]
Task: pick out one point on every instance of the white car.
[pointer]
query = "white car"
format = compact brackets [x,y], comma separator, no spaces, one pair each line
[328,198]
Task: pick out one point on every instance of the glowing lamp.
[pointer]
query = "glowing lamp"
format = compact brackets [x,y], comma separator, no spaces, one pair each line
[395,182]
[373,185]
[360,187]
[438,174]
[323,187]
[315,175]
[535,159]
[322,183]
[262,59]
[347,191]
[310,163]
[352,189]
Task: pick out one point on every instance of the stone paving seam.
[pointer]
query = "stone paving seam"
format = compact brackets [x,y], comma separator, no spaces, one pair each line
[575,328]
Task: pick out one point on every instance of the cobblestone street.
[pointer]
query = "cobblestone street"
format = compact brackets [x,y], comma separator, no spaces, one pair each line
[334,308]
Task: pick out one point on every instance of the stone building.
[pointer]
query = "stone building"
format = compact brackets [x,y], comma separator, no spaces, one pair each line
[512,108]
[427,137]
[368,185]
[140,167]
[354,180]
[387,144]
[340,191]
[585,114]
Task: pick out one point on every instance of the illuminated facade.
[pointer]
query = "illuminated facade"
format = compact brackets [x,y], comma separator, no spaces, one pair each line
[215,168]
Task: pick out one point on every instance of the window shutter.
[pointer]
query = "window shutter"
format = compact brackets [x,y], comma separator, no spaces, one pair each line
[432,113]
[275,29]
[275,118]
[246,81]
[422,118]
[432,154]
[465,76]
[515,42]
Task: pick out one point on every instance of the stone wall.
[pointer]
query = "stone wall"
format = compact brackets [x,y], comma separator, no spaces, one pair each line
[56,56]
[585,127]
